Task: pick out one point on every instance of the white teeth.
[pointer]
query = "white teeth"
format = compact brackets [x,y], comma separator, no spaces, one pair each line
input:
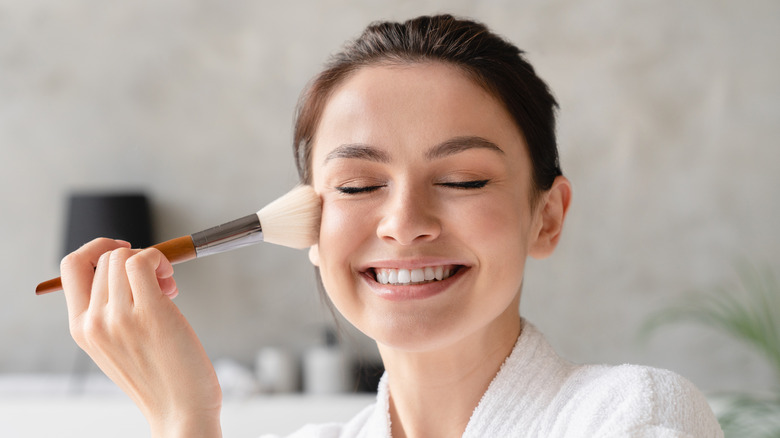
[410,276]
[404,277]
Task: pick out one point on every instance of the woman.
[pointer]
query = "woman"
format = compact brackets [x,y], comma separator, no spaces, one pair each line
[432,145]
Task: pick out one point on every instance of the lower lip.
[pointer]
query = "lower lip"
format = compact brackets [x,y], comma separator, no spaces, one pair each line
[406,292]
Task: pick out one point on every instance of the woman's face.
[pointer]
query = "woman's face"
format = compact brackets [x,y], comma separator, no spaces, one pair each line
[426,220]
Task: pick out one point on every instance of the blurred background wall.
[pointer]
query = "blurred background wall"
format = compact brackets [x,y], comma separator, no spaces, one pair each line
[668,129]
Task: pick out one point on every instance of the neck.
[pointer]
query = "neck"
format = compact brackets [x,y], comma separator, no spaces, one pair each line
[433,393]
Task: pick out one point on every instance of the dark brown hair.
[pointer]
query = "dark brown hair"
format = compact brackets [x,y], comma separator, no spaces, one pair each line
[493,63]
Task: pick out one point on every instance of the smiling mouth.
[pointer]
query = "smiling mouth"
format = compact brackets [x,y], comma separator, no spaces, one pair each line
[428,274]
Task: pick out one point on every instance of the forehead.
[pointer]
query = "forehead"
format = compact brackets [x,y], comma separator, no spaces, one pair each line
[419,104]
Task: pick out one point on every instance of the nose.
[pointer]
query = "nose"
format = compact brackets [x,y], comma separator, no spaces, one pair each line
[409,217]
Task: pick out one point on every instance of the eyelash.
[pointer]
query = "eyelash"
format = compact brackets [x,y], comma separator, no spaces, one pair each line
[467,185]
[347,190]
[461,185]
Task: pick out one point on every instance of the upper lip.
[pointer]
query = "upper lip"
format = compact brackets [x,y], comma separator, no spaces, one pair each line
[417,263]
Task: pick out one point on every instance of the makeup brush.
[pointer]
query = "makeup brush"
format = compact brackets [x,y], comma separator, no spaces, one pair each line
[292,220]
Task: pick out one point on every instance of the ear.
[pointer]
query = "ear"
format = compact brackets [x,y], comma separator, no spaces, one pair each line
[550,215]
[314,255]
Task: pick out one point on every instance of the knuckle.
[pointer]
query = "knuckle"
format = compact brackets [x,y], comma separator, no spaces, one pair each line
[91,325]
[133,265]
[77,333]
[100,241]
[71,260]
[97,330]
[119,255]
[139,261]
[89,331]
[118,322]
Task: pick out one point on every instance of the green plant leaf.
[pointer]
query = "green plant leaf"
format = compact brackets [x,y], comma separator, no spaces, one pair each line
[748,311]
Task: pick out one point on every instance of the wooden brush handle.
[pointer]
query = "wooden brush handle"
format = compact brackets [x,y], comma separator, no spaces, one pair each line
[180,249]
[175,250]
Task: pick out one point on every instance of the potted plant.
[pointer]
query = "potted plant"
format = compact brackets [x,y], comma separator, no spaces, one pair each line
[748,311]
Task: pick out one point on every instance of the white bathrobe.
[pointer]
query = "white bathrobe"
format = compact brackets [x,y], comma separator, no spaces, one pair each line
[538,394]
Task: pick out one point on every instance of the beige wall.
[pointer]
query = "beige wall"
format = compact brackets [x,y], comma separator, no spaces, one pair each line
[668,130]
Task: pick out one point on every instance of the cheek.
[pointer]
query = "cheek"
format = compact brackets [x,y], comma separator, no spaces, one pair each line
[499,232]
[342,230]
[495,221]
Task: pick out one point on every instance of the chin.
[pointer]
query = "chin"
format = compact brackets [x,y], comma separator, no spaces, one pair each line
[414,332]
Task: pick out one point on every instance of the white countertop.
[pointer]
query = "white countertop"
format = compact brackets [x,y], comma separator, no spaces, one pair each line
[40,406]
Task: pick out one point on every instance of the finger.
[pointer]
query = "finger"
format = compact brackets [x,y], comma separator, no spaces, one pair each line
[99,290]
[77,271]
[168,286]
[165,278]
[119,293]
[143,271]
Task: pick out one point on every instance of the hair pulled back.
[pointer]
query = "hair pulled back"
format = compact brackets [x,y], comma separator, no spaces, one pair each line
[493,63]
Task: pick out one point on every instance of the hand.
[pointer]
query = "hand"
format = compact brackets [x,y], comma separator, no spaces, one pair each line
[120,312]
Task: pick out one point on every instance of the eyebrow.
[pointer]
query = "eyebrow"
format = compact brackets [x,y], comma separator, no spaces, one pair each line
[446,148]
[360,151]
[460,144]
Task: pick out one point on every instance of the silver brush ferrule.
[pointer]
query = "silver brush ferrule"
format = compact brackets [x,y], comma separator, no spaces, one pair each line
[231,235]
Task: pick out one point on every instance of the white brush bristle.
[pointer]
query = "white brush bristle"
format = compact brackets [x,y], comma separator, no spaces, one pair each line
[292,220]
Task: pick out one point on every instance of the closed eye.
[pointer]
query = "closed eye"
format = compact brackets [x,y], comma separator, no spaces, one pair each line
[476,184]
[349,190]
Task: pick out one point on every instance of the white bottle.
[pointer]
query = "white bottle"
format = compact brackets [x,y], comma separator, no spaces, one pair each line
[326,368]
[277,370]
